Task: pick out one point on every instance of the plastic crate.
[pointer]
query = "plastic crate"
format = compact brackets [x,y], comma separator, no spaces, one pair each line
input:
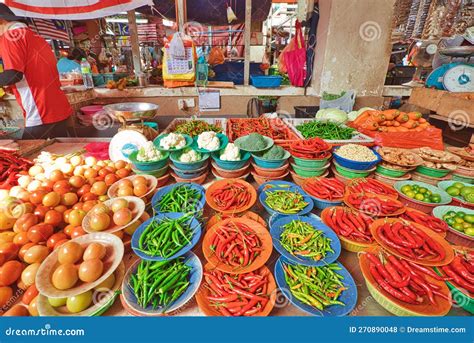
[263,81]
[114,76]
[359,138]
[98,79]
[11,133]
[286,135]
[306,111]
[220,122]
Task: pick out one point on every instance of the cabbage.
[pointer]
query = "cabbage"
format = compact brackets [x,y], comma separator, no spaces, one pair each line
[332,114]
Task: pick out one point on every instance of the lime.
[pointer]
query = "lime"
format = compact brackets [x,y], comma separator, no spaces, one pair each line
[458,185]
[466,225]
[450,213]
[422,190]
[469,198]
[466,190]
[410,194]
[458,220]
[435,199]
[460,214]
[469,218]
[419,196]
[469,232]
[450,221]
[453,191]
[415,187]
[405,189]
[458,227]
[429,193]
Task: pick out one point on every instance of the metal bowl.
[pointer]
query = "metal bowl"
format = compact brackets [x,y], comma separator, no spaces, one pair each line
[132,110]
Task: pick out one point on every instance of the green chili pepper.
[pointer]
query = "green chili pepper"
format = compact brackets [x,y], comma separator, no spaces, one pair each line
[285,201]
[326,130]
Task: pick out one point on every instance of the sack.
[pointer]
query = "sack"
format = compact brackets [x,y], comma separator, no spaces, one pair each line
[180,70]
[295,59]
[430,137]
[216,56]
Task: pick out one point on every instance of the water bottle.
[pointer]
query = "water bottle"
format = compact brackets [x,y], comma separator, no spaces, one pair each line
[201,72]
[86,74]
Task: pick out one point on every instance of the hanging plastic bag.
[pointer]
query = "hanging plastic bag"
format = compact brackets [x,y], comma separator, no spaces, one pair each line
[281,59]
[295,59]
[216,56]
[230,15]
[176,48]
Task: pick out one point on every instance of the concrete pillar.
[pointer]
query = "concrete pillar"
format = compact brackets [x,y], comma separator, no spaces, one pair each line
[353,49]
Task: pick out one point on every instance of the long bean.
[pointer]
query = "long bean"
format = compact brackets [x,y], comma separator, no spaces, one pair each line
[325,130]
[285,201]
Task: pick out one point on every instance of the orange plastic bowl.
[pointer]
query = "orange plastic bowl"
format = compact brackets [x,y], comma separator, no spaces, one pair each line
[260,180]
[271,172]
[218,217]
[221,183]
[261,232]
[376,198]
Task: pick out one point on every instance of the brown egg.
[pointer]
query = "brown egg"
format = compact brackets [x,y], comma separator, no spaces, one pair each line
[70,253]
[94,251]
[91,270]
[65,276]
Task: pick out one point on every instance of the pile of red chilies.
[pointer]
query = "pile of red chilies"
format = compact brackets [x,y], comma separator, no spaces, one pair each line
[314,148]
[350,224]
[11,164]
[263,126]
[371,186]
[237,295]
[405,281]
[235,244]
[231,197]
[410,241]
[433,223]
[326,188]
[374,205]
[461,271]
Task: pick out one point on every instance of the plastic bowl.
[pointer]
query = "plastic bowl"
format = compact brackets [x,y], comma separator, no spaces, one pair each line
[263,179]
[158,139]
[425,207]
[356,165]
[165,190]
[443,185]
[270,164]
[348,296]
[175,155]
[193,222]
[221,183]
[198,179]
[268,144]
[189,174]
[350,173]
[309,172]
[272,184]
[220,177]
[453,235]
[231,165]
[231,174]
[223,141]
[432,172]
[149,166]
[310,163]
[263,197]
[195,279]
[277,228]
[156,173]
[271,172]
[462,178]
[299,180]
[390,172]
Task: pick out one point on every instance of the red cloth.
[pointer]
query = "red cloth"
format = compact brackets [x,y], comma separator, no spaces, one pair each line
[39,93]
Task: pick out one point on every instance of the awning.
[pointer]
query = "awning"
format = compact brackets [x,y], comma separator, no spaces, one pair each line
[72,9]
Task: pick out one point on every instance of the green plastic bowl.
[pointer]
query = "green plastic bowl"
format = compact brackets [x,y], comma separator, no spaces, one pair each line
[444,185]
[390,172]
[463,300]
[432,171]
[464,179]
[149,166]
[307,163]
[156,173]
[453,235]
[309,172]
[422,206]
[350,173]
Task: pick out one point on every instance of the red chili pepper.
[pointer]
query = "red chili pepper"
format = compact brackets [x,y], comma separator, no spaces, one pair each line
[385,286]
[459,268]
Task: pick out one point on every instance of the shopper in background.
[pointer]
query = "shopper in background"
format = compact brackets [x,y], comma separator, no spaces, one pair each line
[30,69]
[72,62]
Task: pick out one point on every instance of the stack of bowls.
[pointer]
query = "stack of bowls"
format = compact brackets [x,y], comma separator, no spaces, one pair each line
[223,169]
[303,168]
[346,169]
[158,169]
[269,170]
[391,173]
[195,171]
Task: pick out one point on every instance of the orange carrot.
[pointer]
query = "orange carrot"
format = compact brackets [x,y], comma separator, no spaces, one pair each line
[410,124]
[396,123]
[414,115]
[422,120]
[370,125]
[391,114]
[402,118]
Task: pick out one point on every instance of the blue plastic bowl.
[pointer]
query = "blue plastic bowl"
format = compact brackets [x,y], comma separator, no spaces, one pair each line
[194,223]
[322,204]
[264,163]
[263,196]
[348,297]
[277,183]
[175,155]
[272,219]
[162,191]
[195,278]
[355,165]
[231,165]
[189,174]
[149,166]
[276,229]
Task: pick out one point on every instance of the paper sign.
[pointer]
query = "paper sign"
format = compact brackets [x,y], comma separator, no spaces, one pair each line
[209,100]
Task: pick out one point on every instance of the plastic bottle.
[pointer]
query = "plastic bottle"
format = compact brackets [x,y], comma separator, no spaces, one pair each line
[86,74]
[201,72]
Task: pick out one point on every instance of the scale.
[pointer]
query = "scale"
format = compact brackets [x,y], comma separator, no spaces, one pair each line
[455,76]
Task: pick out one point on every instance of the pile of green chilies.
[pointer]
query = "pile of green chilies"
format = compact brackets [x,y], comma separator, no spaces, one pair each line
[180,199]
[325,130]
[196,127]
[160,283]
[302,239]
[285,201]
[319,287]
[166,237]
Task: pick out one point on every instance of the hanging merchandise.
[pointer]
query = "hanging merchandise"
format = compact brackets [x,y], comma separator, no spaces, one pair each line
[421,17]
[415,5]
[230,13]
[216,56]
[295,58]
[179,71]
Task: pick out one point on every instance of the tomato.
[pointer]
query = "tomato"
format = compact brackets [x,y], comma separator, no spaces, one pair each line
[7,236]
[56,175]
[99,188]
[89,196]
[32,307]
[77,232]
[10,272]
[6,294]
[122,217]
[99,221]
[79,302]
[29,294]
[55,238]
[68,229]
[125,183]
[90,173]
[62,187]
[53,217]
[29,274]
[60,208]
[69,199]
[77,181]
[21,238]
[17,311]
[78,206]
[40,232]
[36,197]
[66,215]
[36,254]
[120,164]
[51,199]
[89,204]
[47,185]
[83,190]
[60,243]
[140,190]
[76,217]
[110,179]
[121,173]
[24,249]
[40,211]
[9,250]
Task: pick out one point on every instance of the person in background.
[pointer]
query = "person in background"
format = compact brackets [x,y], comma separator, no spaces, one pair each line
[30,70]
[72,62]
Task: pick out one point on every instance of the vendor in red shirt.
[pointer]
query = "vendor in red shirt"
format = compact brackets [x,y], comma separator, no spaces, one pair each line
[30,69]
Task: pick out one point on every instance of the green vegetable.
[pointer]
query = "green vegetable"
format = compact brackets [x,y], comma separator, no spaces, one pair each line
[302,239]
[325,130]
[167,237]
[329,96]
[276,152]
[160,283]
[181,199]
[318,287]
[196,127]
[253,141]
[331,114]
[285,201]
